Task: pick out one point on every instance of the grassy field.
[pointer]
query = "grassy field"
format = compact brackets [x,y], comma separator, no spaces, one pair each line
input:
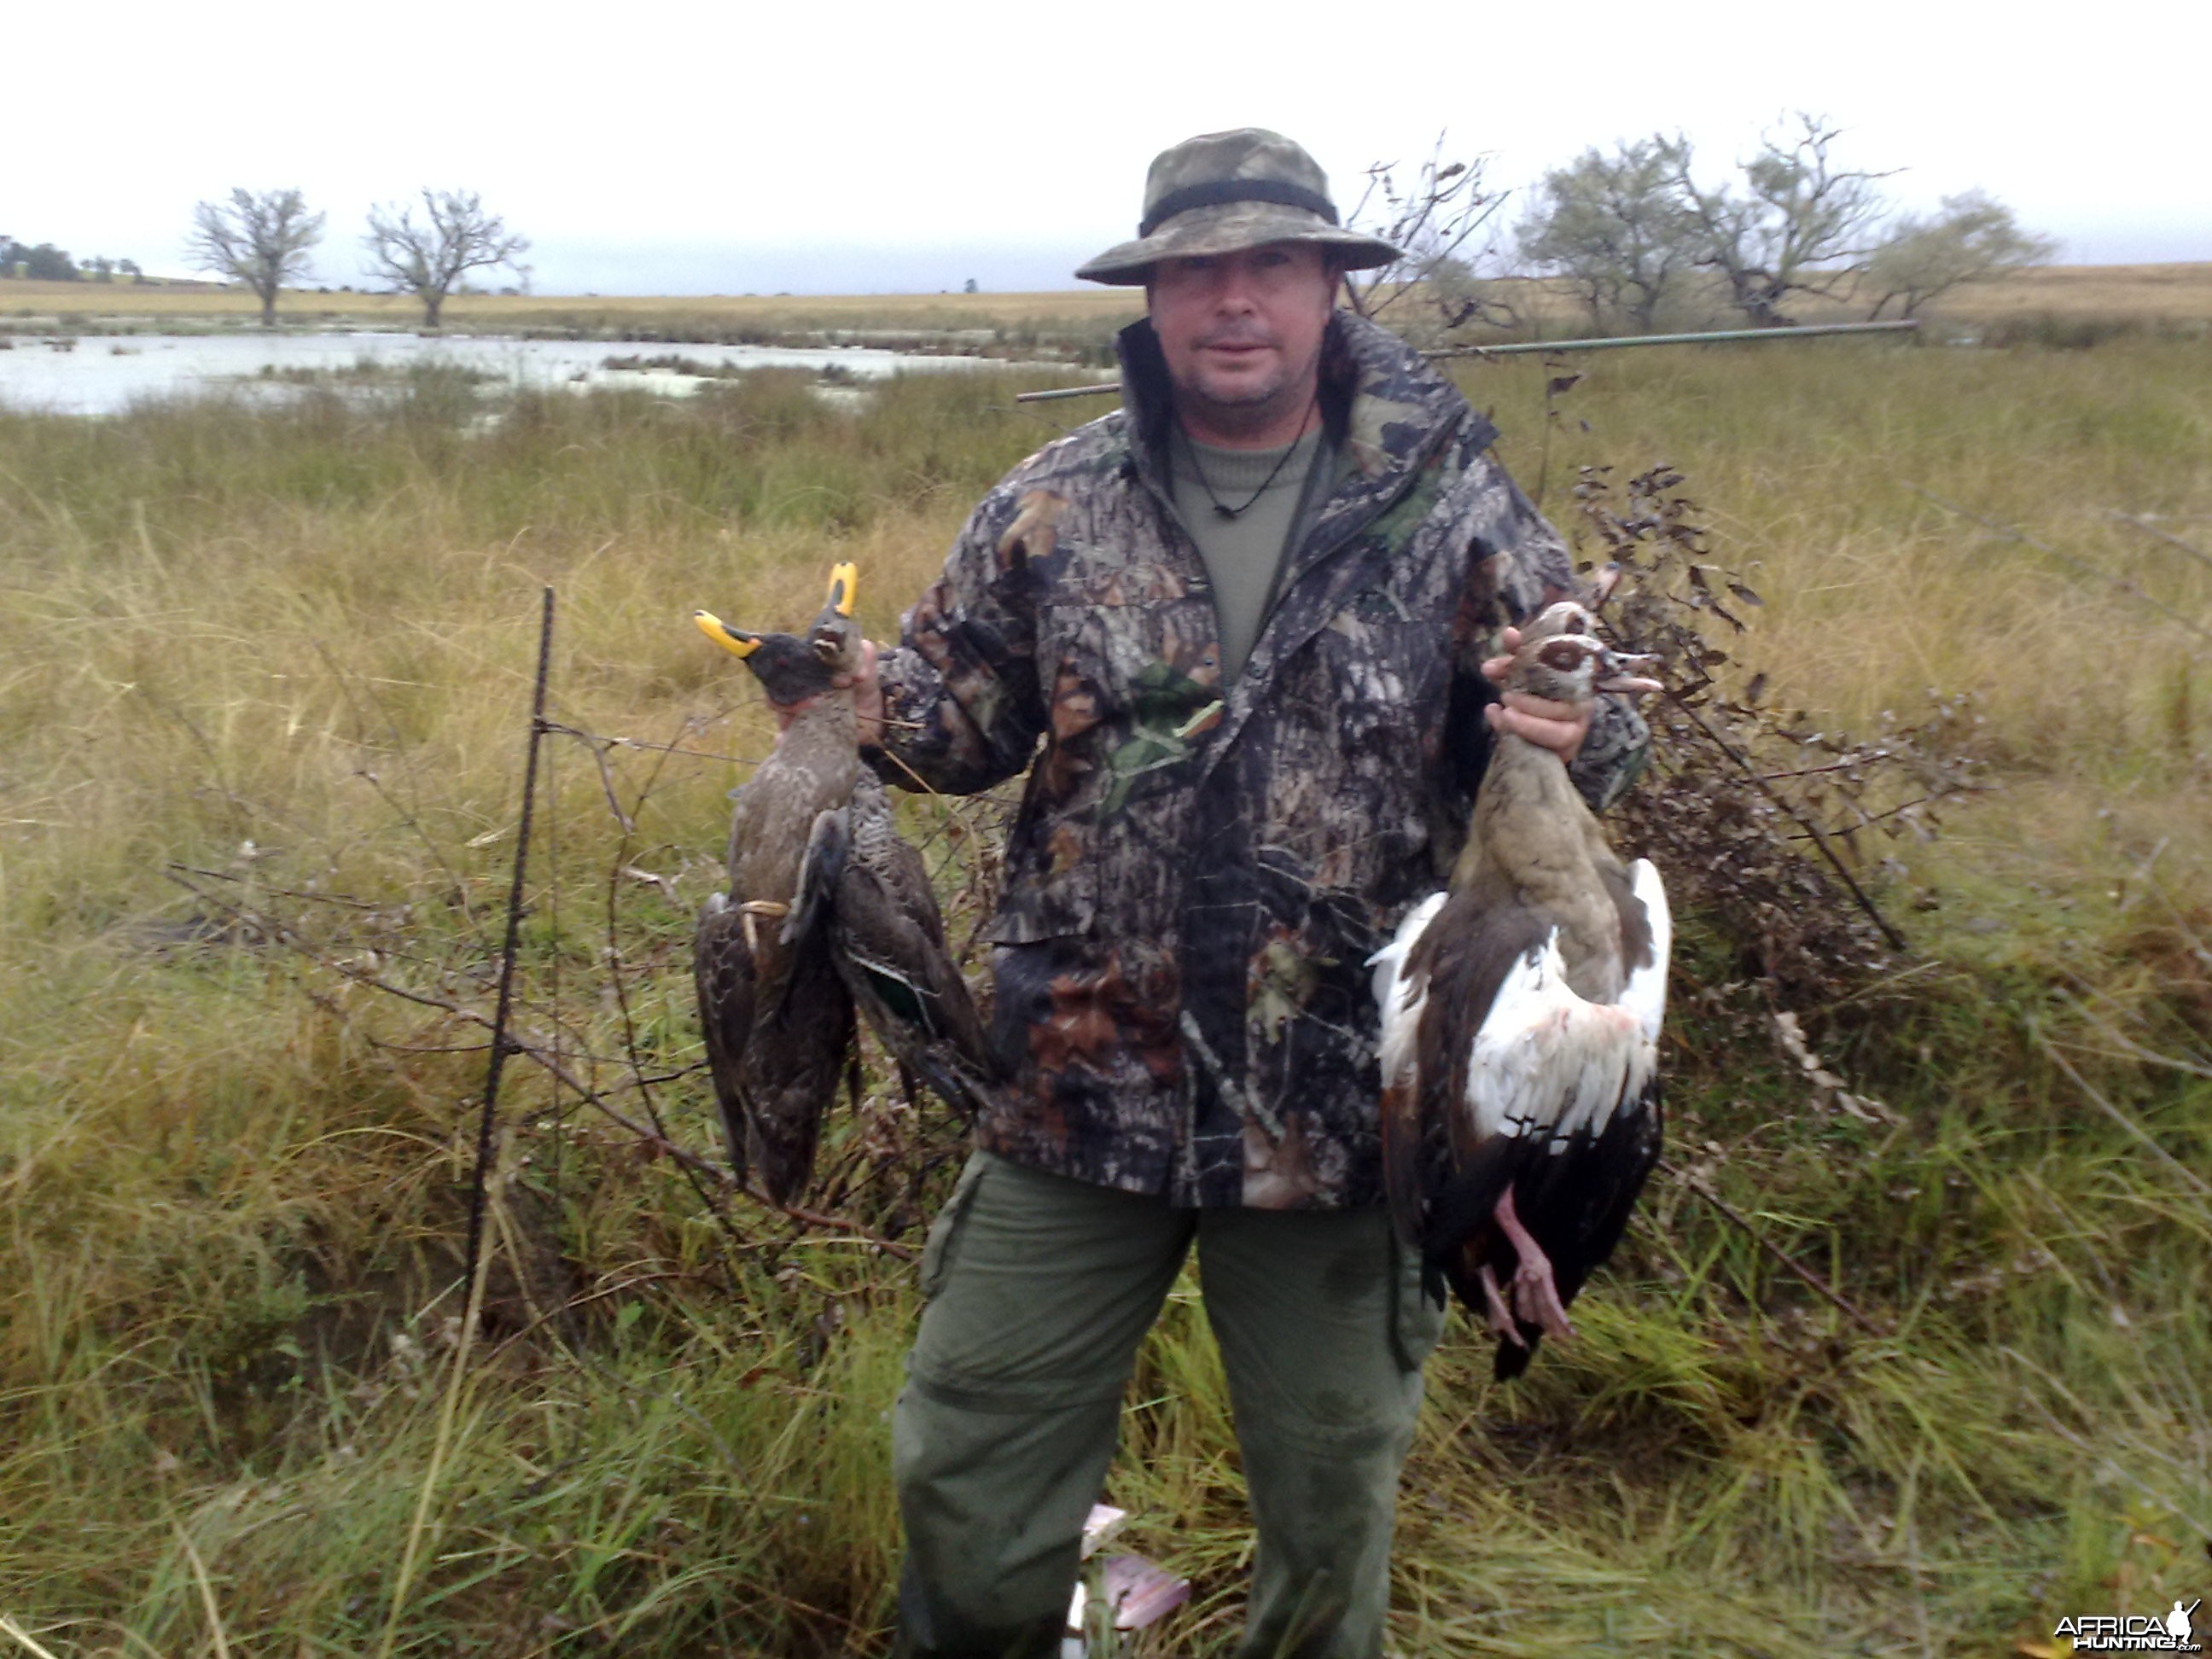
[284,657]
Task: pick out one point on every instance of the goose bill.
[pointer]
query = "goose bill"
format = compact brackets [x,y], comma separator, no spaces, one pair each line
[1618,671]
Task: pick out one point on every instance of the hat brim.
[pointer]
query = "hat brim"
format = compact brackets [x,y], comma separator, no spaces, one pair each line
[1229,229]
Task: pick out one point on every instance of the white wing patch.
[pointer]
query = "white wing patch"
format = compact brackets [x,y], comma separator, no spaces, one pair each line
[1400,999]
[1547,1063]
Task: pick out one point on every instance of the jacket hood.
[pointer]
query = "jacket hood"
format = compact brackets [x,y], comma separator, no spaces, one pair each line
[1380,398]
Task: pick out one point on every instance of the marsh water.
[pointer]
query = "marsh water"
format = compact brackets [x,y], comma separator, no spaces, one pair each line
[105,374]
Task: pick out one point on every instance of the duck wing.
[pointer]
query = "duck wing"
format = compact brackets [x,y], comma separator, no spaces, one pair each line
[778,1024]
[888,938]
[722,973]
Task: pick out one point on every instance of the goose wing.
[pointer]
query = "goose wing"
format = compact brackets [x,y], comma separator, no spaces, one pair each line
[1439,982]
[1496,1075]
[1646,995]
[1401,993]
[1577,1084]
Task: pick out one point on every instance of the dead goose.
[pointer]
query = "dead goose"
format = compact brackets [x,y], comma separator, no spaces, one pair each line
[1521,1015]
[777,1017]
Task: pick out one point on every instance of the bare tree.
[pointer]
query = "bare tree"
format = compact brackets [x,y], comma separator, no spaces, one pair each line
[1974,236]
[1441,219]
[260,241]
[427,258]
[1616,228]
[1801,224]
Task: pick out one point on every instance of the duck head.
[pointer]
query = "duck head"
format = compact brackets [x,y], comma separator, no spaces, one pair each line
[788,667]
[791,668]
[836,636]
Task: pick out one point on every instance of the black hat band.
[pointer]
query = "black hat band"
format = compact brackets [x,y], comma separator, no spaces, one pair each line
[1216,192]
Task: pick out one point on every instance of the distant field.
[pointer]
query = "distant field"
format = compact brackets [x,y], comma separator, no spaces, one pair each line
[2169,292]
[104,300]
[2157,292]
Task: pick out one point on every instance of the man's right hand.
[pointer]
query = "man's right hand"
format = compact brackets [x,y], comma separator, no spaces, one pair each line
[867,698]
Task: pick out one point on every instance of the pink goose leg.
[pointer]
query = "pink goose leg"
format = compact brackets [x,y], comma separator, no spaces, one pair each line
[1501,1317]
[1535,1293]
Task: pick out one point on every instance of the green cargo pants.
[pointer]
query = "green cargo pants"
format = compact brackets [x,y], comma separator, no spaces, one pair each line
[1039,1290]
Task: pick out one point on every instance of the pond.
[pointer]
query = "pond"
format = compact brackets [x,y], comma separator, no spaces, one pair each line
[104,374]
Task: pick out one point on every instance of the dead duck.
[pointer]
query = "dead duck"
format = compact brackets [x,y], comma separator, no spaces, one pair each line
[1521,1014]
[777,1018]
[866,890]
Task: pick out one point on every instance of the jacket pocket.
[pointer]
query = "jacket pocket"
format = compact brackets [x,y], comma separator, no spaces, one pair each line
[943,1244]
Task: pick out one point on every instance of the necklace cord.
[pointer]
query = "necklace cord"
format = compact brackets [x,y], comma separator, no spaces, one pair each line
[1198,467]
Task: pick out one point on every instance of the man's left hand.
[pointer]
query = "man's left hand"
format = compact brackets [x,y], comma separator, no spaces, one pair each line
[1558,727]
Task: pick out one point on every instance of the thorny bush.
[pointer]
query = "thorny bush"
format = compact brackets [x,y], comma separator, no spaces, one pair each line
[1767,823]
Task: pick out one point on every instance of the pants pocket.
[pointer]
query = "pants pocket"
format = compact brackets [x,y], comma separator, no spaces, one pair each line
[1417,1318]
[944,1241]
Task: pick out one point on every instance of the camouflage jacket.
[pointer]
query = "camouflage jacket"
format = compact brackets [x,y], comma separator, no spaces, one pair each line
[1198,873]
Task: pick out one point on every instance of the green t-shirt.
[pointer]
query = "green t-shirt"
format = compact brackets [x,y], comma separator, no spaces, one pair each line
[1244,554]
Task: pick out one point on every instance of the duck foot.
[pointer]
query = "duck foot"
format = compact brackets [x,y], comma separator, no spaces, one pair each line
[752,908]
[1535,1291]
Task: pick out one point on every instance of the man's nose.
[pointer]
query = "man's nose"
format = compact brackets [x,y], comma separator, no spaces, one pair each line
[1233,291]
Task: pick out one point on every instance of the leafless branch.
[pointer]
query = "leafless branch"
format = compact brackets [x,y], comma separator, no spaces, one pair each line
[262,241]
[427,258]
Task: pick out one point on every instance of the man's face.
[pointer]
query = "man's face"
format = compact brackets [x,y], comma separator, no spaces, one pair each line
[1242,331]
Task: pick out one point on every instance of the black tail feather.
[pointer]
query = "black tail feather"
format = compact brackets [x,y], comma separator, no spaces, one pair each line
[1512,1359]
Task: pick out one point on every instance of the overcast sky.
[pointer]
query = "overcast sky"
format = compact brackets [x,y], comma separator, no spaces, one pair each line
[664,146]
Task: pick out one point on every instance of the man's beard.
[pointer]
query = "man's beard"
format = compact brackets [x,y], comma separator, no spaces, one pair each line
[1251,407]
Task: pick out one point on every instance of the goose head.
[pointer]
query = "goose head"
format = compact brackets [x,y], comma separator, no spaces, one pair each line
[1566,616]
[1572,666]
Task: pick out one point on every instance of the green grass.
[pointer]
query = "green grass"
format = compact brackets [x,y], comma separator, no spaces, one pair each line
[233,1174]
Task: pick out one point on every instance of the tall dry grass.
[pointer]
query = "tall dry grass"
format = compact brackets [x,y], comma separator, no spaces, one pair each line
[289,650]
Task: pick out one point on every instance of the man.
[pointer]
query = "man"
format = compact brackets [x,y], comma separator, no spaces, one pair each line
[1247,615]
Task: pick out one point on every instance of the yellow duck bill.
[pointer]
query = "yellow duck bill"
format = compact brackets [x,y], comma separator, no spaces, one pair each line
[735,643]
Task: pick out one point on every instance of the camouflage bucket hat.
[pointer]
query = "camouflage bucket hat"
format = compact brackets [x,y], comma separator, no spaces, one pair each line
[1226,191]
